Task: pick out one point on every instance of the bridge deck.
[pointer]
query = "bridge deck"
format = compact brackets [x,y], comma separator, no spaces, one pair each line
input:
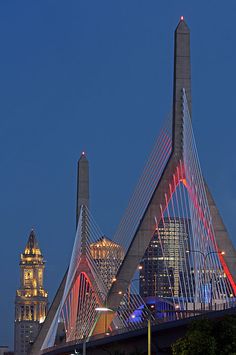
[163,335]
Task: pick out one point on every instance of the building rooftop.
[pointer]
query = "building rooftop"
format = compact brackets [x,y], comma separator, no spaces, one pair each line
[32,247]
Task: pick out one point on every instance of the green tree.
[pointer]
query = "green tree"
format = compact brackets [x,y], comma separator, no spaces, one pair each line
[206,337]
[225,333]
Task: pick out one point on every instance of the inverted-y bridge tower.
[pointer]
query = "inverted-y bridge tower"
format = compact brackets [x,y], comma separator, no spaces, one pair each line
[178,171]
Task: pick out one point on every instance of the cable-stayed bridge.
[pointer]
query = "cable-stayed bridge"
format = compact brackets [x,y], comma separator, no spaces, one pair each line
[171,229]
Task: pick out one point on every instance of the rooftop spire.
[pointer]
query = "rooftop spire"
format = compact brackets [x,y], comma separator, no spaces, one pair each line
[32,246]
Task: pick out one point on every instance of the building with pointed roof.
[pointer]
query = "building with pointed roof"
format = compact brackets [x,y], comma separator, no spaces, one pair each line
[31,298]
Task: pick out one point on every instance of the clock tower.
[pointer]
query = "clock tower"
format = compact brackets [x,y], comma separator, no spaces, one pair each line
[31,298]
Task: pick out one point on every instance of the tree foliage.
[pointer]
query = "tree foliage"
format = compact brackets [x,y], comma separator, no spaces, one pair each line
[208,337]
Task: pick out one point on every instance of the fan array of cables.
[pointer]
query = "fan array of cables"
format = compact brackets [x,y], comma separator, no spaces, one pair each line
[181,267]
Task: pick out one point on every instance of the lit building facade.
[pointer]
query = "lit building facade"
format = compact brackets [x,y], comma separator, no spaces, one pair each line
[31,298]
[162,265]
[108,256]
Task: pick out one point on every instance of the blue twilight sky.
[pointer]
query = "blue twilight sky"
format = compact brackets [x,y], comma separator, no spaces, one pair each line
[97,76]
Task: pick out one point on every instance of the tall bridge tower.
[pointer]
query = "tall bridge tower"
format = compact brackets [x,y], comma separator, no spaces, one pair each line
[181,168]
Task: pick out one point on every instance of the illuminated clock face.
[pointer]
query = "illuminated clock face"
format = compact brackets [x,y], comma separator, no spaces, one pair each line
[28,275]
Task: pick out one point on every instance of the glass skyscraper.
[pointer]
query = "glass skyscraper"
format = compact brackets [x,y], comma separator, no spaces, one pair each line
[165,269]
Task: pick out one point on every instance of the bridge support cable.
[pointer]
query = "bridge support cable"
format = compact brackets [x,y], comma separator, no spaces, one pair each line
[200,274]
[146,185]
[202,220]
[84,289]
[196,277]
[94,263]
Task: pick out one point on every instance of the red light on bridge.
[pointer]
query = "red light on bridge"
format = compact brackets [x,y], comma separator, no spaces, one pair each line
[182,18]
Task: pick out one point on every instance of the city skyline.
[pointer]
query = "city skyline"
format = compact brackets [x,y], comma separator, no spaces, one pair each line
[36,170]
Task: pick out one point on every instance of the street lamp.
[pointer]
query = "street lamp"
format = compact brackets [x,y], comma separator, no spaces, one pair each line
[133,316]
[205,256]
[101,309]
[106,309]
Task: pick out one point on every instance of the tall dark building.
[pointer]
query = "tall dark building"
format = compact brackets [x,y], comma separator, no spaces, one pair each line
[162,264]
[31,298]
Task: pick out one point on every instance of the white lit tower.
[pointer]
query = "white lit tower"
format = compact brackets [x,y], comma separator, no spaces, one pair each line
[31,298]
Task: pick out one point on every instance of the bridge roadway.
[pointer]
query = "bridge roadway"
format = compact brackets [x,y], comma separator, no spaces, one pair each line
[163,335]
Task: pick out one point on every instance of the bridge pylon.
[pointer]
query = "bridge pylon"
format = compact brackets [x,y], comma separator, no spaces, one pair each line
[182,170]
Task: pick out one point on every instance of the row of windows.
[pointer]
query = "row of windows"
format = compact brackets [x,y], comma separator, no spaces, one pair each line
[26,326]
